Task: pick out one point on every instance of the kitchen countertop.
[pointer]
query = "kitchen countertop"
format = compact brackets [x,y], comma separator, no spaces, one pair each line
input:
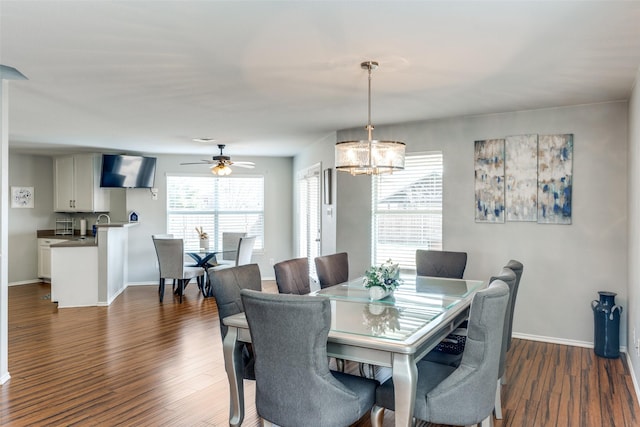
[77,242]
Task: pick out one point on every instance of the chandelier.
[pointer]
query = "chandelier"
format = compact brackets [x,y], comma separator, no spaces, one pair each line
[370,156]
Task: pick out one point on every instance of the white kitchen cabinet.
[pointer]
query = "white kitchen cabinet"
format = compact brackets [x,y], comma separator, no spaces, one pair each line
[44,256]
[76,183]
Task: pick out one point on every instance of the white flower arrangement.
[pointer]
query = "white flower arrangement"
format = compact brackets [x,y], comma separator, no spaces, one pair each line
[385,276]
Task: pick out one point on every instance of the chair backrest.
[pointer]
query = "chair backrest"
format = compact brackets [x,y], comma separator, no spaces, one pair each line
[440,263]
[294,386]
[230,242]
[517,268]
[170,257]
[227,284]
[292,276]
[332,269]
[507,276]
[245,250]
[162,236]
[467,396]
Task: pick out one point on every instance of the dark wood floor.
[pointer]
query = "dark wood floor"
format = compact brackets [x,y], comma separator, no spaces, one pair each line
[142,363]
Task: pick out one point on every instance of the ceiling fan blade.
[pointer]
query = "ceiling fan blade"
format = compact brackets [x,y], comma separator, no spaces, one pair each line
[247,165]
[201,162]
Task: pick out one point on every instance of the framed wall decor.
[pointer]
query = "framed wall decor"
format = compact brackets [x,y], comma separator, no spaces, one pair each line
[326,186]
[22,197]
[521,177]
[555,179]
[489,180]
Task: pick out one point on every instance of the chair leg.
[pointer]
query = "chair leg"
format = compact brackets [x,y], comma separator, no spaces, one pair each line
[181,283]
[340,365]
[377,415]
[498,403]
[161,289]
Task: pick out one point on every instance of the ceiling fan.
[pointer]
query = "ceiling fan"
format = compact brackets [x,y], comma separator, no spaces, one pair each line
[221,163]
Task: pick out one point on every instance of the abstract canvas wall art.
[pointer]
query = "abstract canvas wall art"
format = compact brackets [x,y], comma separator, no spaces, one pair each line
[555,178]
[521,177]
[489,180]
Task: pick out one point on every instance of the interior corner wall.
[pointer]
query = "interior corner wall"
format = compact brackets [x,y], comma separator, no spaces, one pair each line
[633,334]
[564,265]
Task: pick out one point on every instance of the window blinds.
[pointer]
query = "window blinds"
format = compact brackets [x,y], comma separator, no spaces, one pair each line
[407,210]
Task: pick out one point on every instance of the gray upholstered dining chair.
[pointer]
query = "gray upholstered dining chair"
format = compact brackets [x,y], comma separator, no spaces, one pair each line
[462,395]
[516,267]
[170,254]
[294,385]
[509,277]
[440,263]
[292,276]
[332,269]
[226,285]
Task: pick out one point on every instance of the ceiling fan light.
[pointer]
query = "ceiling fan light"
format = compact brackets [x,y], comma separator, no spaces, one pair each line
[221,170]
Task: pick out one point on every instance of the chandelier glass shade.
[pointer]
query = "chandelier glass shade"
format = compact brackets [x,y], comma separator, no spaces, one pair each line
[370,156]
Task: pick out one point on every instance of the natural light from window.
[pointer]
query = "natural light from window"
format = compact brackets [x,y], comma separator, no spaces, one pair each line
[227,204]
[407,210]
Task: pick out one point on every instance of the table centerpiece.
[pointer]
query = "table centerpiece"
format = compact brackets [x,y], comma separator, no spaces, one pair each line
[382,280]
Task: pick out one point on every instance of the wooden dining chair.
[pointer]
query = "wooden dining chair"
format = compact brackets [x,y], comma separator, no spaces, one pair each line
[170,254]
[462,395]
[294,385]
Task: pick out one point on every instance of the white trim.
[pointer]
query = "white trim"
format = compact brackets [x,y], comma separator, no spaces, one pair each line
[562,341]
[4,378]
[633,377]
[25,282]
[142,284]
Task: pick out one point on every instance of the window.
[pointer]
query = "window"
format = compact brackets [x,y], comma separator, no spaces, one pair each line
[234,204]
[407,210]
[309,215]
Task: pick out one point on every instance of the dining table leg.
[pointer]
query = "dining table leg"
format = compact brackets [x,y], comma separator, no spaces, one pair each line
[405,380]
[232,350]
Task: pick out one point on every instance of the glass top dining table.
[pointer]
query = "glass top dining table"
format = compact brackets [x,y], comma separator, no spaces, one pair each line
[395,332]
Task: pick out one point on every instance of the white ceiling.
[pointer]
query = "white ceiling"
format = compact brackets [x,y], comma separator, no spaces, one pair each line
[270,77]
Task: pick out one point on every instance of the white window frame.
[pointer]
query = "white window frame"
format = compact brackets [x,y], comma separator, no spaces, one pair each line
[189,234]
[405,201]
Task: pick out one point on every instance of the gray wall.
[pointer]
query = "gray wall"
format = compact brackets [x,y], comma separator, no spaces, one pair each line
[564,265]
[278,239]
[36,172]
[634,230]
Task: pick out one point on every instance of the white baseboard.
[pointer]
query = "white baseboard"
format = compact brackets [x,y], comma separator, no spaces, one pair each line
[142,284]
[4,378]
[24,282]
[562,341]
[633,377]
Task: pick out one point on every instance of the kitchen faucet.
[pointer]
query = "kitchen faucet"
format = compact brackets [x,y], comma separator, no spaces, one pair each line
[103,215]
